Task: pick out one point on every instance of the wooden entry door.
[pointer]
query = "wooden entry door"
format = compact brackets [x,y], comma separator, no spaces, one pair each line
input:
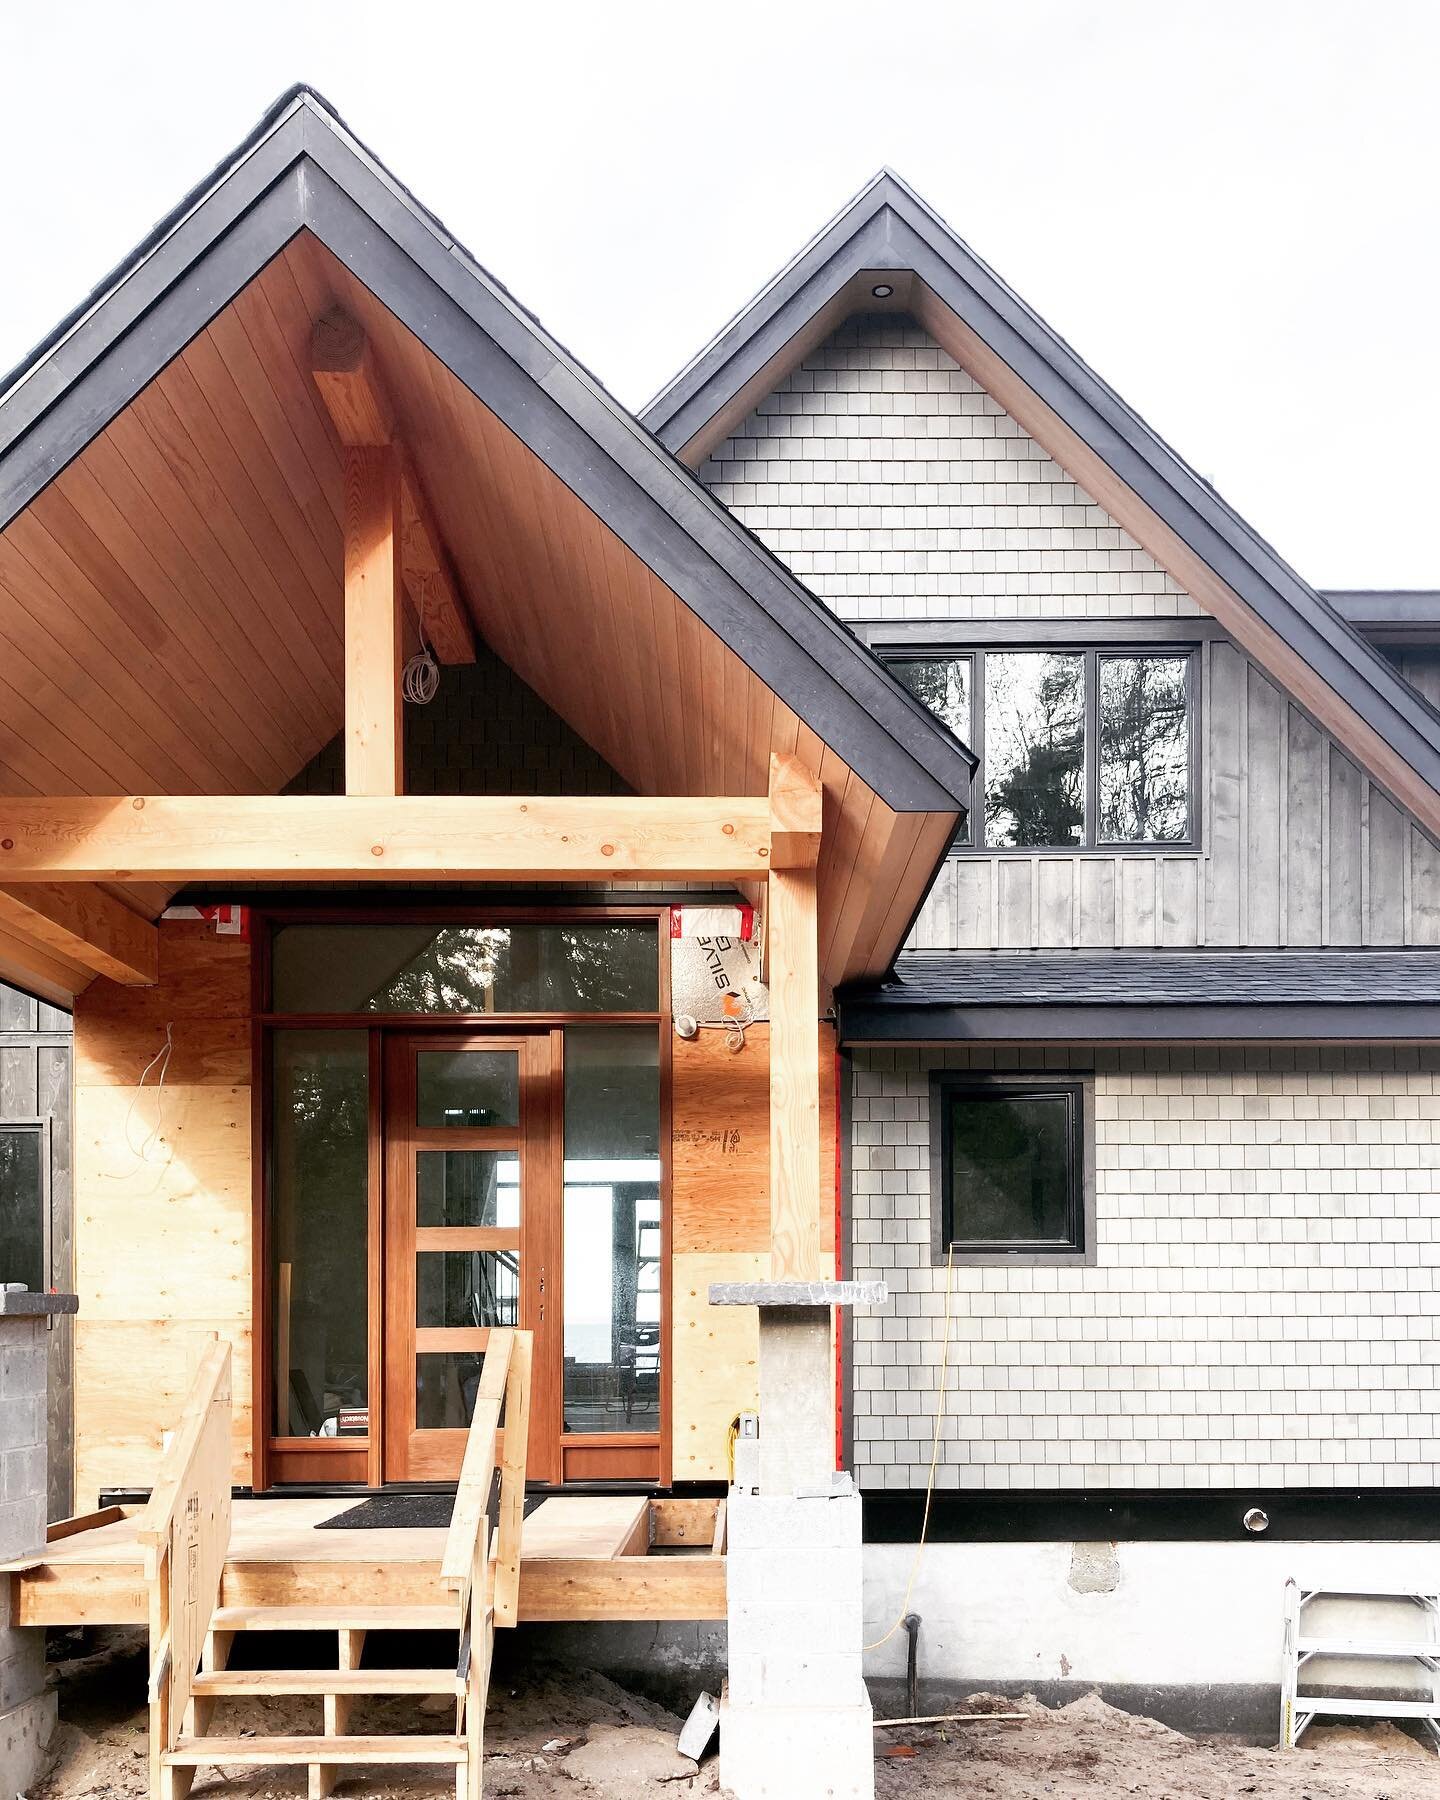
[471,1237]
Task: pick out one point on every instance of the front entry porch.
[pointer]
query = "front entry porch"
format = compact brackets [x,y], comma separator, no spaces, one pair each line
[583,1557]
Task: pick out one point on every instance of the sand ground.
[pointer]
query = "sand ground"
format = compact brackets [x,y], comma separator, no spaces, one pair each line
[556,1732]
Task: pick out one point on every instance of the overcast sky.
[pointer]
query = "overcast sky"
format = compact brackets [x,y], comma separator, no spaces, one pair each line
[1229,207]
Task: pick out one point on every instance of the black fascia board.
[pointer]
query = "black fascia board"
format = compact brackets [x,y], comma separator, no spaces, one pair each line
[1369,609]
[306,173]
[889,227]
[864,1018]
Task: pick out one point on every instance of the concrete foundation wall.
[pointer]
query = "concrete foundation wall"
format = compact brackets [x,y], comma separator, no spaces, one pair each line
[1186,1631]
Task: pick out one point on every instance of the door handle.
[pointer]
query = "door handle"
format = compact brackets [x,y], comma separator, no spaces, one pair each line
[541,1288]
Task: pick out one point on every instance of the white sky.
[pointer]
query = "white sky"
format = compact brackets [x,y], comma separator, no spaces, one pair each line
[1229,207]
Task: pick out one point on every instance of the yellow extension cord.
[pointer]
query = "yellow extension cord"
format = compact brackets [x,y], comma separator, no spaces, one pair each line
[934,1457]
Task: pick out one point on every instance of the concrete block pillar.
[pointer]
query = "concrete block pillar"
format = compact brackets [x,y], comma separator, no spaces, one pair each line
[796,1718]
[27,1709]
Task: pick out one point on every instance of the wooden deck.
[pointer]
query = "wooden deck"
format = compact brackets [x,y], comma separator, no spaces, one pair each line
[583,1557]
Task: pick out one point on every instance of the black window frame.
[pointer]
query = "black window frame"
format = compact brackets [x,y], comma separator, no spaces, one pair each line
[971,1087]
[972,841]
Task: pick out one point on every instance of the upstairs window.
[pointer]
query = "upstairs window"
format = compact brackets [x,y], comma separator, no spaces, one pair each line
[1079,749]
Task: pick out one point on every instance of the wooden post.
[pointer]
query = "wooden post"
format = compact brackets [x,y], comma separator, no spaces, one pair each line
[793,965]
[374,713]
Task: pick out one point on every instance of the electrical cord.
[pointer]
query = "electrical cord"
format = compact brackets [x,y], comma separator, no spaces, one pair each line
[934,1457]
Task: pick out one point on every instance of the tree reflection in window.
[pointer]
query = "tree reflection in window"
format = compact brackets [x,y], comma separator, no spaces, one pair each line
[418,968]
[1034,748]
[1144,750]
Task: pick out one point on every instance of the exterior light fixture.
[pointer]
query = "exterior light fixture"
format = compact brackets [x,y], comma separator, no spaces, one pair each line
[882,290]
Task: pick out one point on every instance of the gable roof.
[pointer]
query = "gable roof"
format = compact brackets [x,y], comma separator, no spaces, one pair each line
[887,235]
[302,169]
[610,539]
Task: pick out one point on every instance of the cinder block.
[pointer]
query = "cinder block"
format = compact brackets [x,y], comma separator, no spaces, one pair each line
[24,1733]
[22,1472]
[795,1630]
[797,1752]
[22,1666]
[22,1526]
[780,1521]
[790,1576]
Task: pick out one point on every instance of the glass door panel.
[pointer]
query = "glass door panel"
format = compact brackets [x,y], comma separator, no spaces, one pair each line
[463,1254]
[613,1240]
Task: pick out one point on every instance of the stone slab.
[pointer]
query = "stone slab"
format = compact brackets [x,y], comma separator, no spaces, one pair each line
[798,1293]
[21,1303]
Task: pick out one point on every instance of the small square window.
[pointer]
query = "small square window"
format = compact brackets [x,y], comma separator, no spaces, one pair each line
[1011,1166]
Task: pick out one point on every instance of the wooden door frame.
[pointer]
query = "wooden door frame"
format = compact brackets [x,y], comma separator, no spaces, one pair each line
[403,1444]
[281,1461]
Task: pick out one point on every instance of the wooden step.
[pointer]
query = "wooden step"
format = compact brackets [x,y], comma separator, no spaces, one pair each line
[335,1618]
[231,1682]
[202,1752]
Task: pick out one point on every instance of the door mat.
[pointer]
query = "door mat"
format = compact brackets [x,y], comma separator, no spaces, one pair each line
[403,1512]
[394,1512]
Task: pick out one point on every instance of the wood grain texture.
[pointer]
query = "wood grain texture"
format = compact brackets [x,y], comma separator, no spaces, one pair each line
[85,925]
[374,630]
[378,838]
[716,1361]
[720,1155]
[163,1200]
[791,969]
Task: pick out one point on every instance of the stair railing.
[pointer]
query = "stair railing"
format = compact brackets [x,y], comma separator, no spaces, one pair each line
[488,1585]
[185,1532]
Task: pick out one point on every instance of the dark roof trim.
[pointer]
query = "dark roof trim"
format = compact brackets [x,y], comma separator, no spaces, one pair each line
[888,227]
[1370,609]
[303,170]
[1056,996]
[861,1023]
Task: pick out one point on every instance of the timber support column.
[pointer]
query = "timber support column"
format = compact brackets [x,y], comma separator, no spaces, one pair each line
[27,1707]
[796,1717]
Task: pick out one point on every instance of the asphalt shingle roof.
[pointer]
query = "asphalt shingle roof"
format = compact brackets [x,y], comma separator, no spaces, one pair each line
[1159,977]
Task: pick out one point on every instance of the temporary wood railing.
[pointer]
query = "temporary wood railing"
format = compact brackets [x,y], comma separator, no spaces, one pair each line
[488,1585]
[185,1532]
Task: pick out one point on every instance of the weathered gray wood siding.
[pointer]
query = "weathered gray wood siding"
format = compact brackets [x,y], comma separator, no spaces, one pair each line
[35,1055]
[1297,847]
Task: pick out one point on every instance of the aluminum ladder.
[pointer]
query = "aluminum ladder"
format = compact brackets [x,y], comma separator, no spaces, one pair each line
[1308,1651]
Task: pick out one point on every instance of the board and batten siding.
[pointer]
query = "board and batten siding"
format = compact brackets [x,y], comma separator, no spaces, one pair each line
[898,490]
[1298,847]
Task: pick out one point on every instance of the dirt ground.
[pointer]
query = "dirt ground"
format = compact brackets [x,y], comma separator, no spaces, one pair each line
[559,1733]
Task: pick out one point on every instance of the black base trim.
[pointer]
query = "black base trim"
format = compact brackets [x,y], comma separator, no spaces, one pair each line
[1157,1515]
[357,1491]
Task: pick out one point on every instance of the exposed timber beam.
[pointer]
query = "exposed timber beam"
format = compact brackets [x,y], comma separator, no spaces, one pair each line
[796,806]
[190,837]
[29,966]
[792,967]
[792,960]
[350,383]
[374,640]
[84,926]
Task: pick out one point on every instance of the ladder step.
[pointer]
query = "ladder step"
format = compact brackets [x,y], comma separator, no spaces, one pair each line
[230,1682]
[1368,1709]
[335,1618]
[1390,1652]
[201,1752]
